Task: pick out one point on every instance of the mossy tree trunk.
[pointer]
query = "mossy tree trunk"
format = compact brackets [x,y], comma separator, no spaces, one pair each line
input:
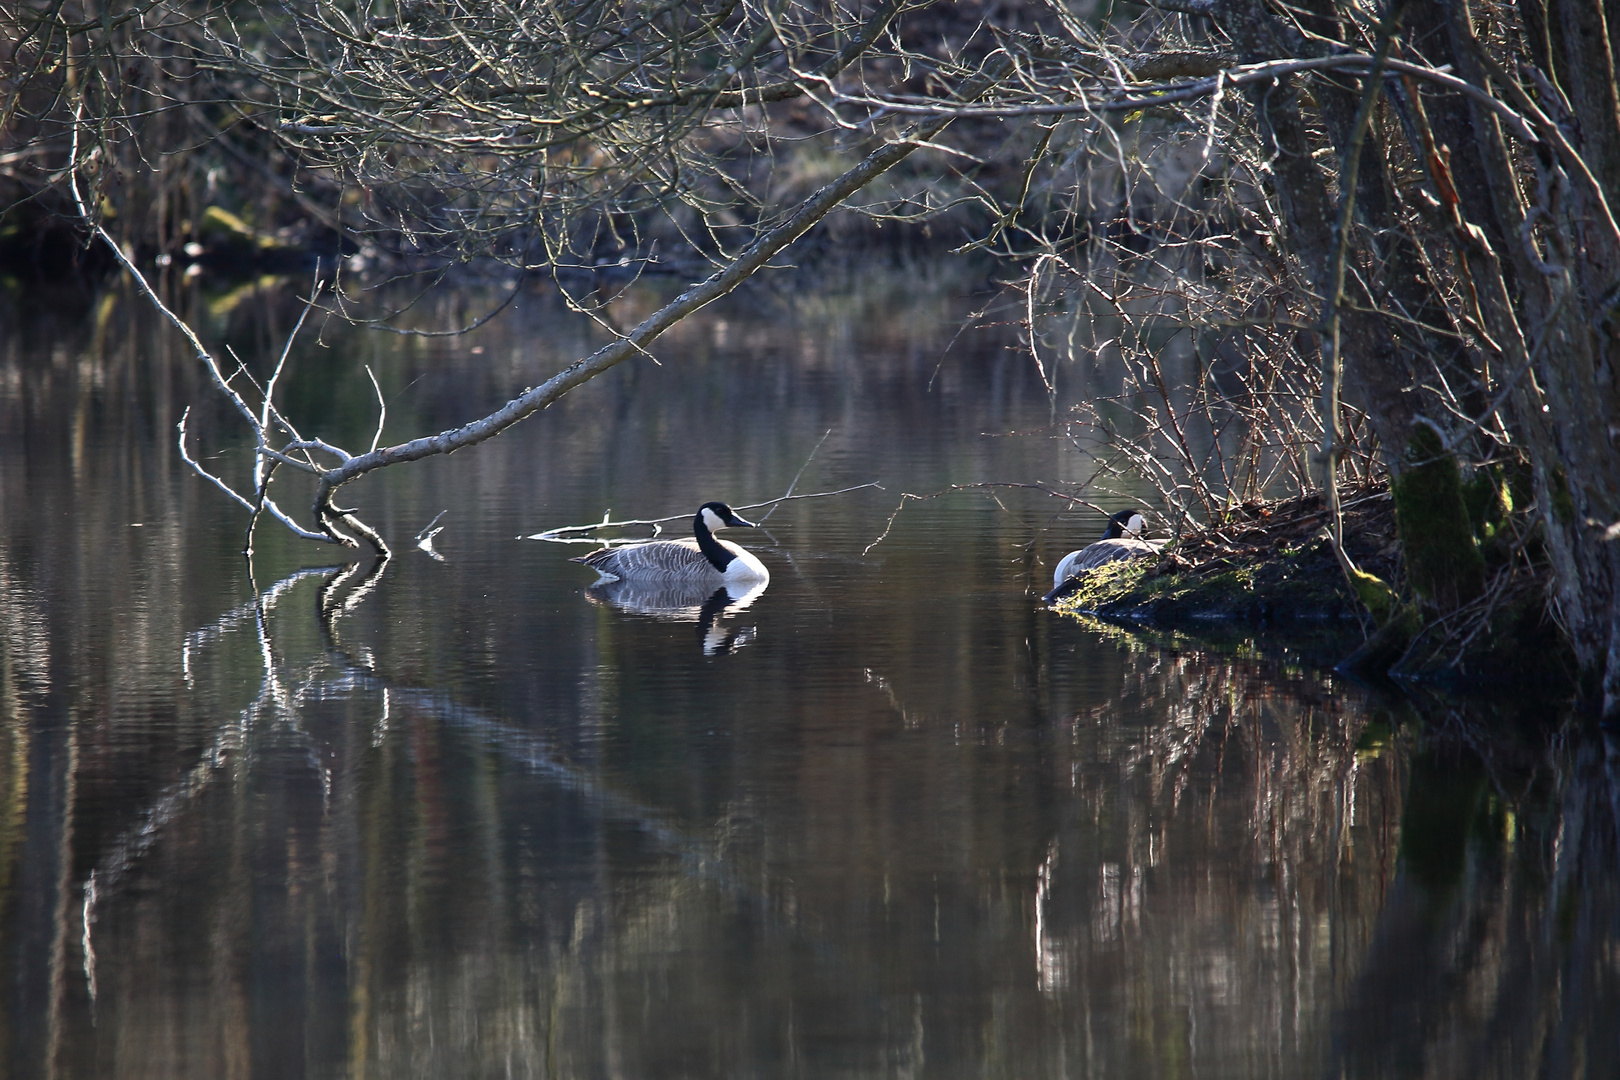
[1443,563]
[1535,242]
[1442,558]
[1565,250]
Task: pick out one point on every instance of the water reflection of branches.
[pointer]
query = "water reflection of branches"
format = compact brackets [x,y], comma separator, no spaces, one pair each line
[230,747]
[277,697]
[1432,888]
[24,636]
[340,672]
[1489,956]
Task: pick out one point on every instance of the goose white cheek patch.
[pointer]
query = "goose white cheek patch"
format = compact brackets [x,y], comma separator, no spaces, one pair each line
[712,520]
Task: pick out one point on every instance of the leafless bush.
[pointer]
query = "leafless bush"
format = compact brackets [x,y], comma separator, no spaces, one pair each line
[1199,385]
[1158,275]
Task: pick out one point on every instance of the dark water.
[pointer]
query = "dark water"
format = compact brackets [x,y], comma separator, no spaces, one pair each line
[460,819]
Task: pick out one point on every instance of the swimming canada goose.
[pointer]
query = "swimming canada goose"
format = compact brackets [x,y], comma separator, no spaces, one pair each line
[700,559]
[1121,540]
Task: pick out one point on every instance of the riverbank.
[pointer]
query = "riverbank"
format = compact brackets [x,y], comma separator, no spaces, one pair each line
[1267,574]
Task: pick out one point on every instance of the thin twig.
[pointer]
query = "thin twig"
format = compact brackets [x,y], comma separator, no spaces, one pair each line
[795,483]
[1333,359]
[382,409]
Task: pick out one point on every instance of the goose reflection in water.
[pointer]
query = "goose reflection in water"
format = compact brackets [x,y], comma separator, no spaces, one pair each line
[686,601]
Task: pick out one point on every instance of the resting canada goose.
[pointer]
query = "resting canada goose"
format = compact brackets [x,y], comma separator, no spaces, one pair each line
[699,560]
[1121,540]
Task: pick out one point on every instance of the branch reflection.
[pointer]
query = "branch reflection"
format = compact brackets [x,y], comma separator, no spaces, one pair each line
[1213,867]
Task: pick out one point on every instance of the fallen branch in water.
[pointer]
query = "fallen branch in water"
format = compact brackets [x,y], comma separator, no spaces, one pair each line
[581,534]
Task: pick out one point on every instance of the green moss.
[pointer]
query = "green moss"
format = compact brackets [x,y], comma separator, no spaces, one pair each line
[1375,595]
[1226,588]
[1132,584]
[1443,563]
[1303,584]
[1107,585]
[1493,495]
[1498,498]
[1519,493]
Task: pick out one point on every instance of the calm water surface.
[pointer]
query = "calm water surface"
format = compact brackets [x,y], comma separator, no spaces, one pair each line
[461,818]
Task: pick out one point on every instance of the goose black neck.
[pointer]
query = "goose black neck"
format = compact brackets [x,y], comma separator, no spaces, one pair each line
[712,550]
[1116,525]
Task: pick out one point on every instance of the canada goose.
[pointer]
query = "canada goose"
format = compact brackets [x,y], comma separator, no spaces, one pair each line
[1121,540]
[699,560]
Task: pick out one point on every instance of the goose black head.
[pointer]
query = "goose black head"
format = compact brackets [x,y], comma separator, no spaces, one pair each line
[717,515]
[1125,523]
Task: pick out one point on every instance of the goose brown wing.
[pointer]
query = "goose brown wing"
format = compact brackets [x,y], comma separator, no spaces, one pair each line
[656,558]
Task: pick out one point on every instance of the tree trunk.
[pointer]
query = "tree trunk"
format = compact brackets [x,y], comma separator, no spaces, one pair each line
[1561,242]
[1443,563]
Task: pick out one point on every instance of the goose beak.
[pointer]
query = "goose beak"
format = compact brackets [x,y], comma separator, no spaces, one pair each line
[738,521]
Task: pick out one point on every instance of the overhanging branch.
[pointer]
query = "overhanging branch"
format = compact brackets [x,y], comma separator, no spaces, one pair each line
[723,281]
